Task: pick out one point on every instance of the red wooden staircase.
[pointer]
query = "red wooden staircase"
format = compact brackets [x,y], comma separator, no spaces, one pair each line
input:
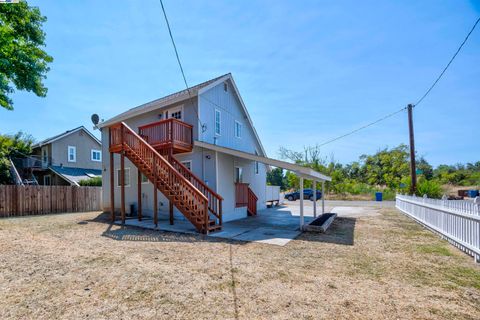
[181,187]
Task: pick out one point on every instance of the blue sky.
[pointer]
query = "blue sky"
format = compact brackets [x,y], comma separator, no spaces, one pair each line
[307,70]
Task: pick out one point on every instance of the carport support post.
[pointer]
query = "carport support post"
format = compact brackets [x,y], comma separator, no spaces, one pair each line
[302,222]
[122,185]
[314,189]
[323,197]
[139,194]
[112,188]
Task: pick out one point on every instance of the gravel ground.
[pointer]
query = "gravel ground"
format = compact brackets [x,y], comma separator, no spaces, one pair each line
[77,266]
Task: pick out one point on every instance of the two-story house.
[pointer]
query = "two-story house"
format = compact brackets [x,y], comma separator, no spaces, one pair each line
[194,155]
[66,158]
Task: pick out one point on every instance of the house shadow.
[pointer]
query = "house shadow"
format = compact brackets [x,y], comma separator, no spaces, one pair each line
[132,233]
[341,231]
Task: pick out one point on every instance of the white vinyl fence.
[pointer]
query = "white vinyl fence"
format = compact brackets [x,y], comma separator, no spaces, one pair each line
[457,221]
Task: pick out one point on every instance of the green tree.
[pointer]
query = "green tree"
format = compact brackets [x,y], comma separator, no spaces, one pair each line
[425,167]
[16,145]
[387,167]
[23,62]
[276,178]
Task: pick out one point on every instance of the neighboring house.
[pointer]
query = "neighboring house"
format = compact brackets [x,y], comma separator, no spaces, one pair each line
[64,159]
[201,151]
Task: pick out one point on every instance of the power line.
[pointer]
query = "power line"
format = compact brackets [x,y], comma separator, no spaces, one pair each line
[419,101]
[448,64]
[178,60]
[363,127]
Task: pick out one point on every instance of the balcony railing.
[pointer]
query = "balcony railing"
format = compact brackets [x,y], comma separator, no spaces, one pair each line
[33,162]
[241,194]
[170,133]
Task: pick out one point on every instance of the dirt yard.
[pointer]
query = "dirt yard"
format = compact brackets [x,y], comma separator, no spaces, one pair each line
[78,266]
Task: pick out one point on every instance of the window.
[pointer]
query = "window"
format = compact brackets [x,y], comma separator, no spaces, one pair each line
[96,155]
[225,86]
[144,178]
[217,122]
[72,154]
[256,163]
[177,115]
[126,177]
[238,174]
[187,164]
[47,180]
[45,155]
[238,129]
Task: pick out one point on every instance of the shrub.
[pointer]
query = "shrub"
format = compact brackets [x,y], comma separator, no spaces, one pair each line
[429,187]
[92,182]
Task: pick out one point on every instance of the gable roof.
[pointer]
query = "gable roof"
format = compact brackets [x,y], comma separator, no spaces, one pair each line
[64,134]
[162,102]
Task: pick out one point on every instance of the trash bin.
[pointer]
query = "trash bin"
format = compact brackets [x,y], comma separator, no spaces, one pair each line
[378,196]
[473,193]
[133,209]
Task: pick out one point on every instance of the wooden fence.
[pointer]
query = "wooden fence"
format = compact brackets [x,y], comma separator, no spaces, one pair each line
[36,200]
[455,220]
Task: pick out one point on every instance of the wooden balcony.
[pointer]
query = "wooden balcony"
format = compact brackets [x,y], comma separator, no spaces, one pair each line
[166,134]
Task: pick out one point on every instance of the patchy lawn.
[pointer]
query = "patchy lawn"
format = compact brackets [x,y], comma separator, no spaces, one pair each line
[78,266]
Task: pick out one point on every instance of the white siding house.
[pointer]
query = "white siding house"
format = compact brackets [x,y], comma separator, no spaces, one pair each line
[215,141]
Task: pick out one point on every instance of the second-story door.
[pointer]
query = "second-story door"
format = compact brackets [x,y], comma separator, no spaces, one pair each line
[176,113]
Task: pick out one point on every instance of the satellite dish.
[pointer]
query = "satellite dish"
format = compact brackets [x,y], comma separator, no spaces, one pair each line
[95,118]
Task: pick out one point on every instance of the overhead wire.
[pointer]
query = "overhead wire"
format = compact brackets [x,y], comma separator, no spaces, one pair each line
[179,61]
[419,100]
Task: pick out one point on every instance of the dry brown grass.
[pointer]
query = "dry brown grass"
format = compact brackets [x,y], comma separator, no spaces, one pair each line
[386,267]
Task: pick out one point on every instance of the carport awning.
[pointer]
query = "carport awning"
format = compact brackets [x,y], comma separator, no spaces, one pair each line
[304,172]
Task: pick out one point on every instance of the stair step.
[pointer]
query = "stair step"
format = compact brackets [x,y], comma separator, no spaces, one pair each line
[215,227]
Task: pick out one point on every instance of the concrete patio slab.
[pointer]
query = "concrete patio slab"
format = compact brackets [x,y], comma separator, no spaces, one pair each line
[276,226]
[275,236]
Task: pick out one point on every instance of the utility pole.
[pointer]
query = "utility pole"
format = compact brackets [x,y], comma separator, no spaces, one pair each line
[413,169]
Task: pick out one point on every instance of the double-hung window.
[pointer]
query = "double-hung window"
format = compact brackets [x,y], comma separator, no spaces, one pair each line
[72,154]
[187,164]
[96,155]
[126,180]
[238,129]
[217,122]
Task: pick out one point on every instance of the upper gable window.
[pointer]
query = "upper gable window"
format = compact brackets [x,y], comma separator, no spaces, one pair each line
[96,155]
[225,86]
[72,154]
[217,122]
[238,129]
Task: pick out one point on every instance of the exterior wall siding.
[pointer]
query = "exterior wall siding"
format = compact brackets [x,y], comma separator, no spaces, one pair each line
[58,151]
[231,110]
